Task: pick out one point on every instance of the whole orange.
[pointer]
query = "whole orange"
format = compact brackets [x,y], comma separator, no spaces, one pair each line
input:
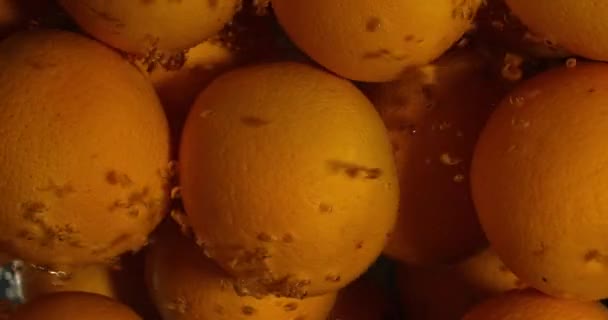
[296,166]
[538,177]
[85,150]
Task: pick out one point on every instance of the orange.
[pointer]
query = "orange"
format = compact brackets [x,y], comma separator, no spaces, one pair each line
[187,285]
[361,300]
[74,305]
[85,149]
[374,40]
[532,305]
[151,27]
[447,292]
[536,178]
[577,25]
[295,165]
[434,115]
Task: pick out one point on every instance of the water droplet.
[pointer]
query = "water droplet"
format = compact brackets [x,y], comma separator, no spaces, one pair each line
[571,63]
[520,123]
[200,242]
[463,42]
[180,217]
[517,101]
[444,126]
[449,160]
[179,305]
[176,193]
[459,178]
[409,128]
[413,131]
[206,113]
[512,67]
[172,168]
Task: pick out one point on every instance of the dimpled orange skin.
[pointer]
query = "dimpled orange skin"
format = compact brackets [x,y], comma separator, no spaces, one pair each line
[532,305]
[141,26]
[580,26]
[74,305]
[374,41]
[296,166]
[186,285]
[83,156]
[434,121]
[537,180]
[447,292]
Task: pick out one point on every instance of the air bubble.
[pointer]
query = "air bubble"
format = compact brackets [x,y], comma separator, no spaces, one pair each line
[520,123]
[517,101]
[571,63]
[409,128]
[449,159]
[444,126]
[206,113]
[176,193]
